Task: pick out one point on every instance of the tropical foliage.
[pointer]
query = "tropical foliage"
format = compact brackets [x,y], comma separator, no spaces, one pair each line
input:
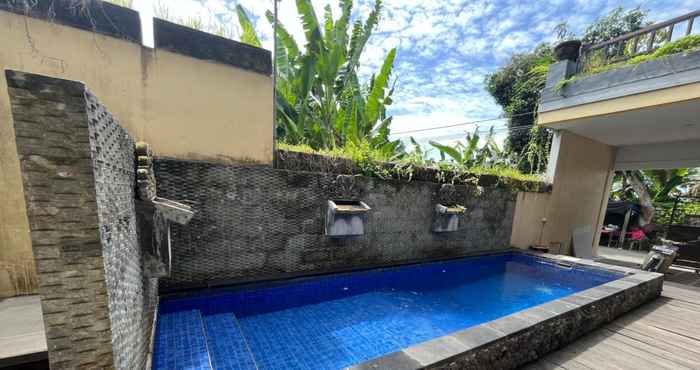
[321,101]
[472,153]
[660,185]
[248,35]
[651,188]
[516,86]
[377,164]
[616,23]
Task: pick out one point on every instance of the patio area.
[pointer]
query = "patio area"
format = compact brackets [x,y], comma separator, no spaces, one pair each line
[664,334]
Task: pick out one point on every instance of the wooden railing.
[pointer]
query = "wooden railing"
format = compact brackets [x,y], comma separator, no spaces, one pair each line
[640,42]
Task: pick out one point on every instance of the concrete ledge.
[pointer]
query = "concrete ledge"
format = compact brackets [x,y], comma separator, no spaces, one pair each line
[22,333]
[524,336]
[673,70]
[201,45]
[310,162]
[97,16]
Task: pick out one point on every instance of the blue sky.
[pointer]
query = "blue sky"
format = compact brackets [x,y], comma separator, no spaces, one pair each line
[445,47]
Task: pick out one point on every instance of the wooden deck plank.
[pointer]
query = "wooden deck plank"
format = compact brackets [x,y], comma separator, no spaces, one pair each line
[658,336]
[671,353]
[686,305]
[608,349]
[599,355]
[681,293]
[663,334]
[543,365]
[666,317]
[564,359]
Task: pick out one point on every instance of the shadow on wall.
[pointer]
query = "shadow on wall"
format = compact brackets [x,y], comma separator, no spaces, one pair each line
[21,276]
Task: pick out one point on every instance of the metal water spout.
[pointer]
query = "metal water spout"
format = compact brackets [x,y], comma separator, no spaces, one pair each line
[346,218]
[447,218]
[447,211]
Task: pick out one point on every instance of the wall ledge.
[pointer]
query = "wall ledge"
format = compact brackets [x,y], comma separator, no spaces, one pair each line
[202,45]
[97,16]
[124,23]
[310,162]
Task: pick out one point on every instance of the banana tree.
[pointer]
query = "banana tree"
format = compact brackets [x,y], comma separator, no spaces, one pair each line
[248,35]
[320,99]
[649,187]
[470,154]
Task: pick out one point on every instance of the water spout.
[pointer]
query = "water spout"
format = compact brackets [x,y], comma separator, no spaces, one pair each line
[346,218]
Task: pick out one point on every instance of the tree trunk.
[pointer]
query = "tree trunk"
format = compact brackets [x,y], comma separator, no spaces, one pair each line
[634,178]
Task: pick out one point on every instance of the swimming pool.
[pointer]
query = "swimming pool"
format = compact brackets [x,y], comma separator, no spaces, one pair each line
[335,321]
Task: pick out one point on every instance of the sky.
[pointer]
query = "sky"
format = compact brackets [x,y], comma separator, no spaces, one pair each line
[445,48]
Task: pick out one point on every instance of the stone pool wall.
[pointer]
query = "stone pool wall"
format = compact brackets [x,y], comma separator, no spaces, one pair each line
[257,222]
[78,172]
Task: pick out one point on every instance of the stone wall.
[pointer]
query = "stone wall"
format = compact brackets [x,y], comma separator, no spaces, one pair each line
[257,222]
[78,172]
[132,296]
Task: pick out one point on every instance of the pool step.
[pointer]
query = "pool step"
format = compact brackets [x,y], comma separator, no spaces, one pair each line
[181,342]
[227,345]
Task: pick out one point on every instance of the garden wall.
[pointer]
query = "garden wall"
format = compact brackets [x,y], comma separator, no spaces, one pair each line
[257,222]
[78,173]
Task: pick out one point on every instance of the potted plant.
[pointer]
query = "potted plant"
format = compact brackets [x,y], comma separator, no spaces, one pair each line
[568,47]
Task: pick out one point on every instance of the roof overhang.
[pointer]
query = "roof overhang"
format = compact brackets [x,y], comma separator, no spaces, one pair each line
[652,102]
[671,114]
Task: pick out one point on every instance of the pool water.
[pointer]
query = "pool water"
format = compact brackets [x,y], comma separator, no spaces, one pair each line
[336,321]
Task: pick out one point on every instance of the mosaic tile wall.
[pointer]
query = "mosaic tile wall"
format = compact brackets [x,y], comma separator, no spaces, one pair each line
[257,222]
[132,296]
[78,171]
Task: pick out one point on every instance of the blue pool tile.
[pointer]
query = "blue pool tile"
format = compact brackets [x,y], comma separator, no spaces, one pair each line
[336,321]
[180,343]
[227,346]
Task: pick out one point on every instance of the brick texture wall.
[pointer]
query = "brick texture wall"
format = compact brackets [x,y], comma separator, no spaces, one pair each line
[257,222]
[78,172]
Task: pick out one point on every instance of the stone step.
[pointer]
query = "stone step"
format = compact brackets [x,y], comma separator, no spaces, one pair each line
[181,342]
[227,346]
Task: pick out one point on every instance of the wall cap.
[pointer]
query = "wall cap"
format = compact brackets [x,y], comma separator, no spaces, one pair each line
[97,16]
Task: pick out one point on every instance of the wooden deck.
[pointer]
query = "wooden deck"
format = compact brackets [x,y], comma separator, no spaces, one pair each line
[663,334]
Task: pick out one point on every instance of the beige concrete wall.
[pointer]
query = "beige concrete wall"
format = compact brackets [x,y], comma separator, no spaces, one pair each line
[202,110]
[581,185]
[185,107]
[627,103]
[528,225]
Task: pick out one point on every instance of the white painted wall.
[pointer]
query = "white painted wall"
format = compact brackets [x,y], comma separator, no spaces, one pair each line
[678,154]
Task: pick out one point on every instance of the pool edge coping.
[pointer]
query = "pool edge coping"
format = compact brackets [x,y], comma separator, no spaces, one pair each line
[464,345]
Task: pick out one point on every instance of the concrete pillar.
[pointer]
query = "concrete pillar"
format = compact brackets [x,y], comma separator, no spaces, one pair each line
[581,172]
